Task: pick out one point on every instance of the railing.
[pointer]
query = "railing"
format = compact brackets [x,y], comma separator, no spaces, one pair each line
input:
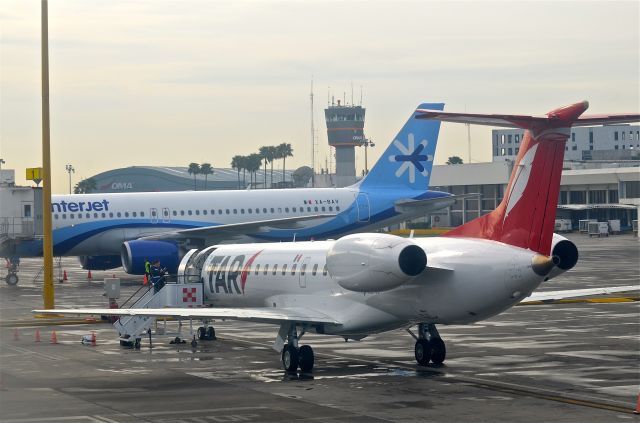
[17,227]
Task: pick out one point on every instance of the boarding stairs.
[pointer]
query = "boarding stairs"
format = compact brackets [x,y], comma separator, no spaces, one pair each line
[174,295]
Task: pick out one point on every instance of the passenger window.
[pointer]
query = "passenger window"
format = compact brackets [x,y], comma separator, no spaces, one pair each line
[250,211]
[189,212]
[204,212]
[308,209]
[266,269]
[323,209]
[293,269]
[126,214]
[55,216]
[272,210]
[181,212]
[264,210]
[219,211]
[88,215]
[330,208]
[213,211]
[315,208]
[119,214]
[228,211]
[197,212]
[324,270]
[257,269]
[71,215]
[337,208]
[110,214]
[279,209]
[257,210]
[104,215]
[241,211]
[275,267]
[295,209]
[64,216]
[303,269]
[135,214]
[284,269]
[175,213]
[141,214]
[286,209]
[315,269]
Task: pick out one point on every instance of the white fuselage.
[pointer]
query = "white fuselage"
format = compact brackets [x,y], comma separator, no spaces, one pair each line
[466,280]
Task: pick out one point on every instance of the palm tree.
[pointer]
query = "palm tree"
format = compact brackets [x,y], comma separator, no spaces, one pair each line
[273,153]
[85,186]
[206,170]
[264,155]
[194,169]
[254,163]
[284,150]
[236,163]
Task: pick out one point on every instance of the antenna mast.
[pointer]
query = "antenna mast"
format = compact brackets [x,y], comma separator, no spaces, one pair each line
[313,142]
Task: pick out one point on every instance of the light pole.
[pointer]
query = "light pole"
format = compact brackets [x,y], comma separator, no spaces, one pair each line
[1,163]
[70,170]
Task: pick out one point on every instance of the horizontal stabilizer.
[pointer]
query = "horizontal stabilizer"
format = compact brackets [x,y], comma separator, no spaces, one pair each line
[257,314]
[575,293]
[428,205]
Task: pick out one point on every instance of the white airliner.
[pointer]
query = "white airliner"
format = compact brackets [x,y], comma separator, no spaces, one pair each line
[368,283]
[110,230]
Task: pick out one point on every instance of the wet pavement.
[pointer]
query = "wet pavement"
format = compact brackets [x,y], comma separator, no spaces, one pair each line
[560,362]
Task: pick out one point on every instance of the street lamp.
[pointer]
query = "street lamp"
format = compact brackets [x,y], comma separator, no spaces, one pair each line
[70,170]
[367,143]
[1,163]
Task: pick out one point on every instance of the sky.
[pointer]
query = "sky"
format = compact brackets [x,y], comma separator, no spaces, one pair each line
[169,82]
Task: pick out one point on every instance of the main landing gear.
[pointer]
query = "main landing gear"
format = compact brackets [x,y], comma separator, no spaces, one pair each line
[12,271]
[204,333]
[294,356]
[429,346]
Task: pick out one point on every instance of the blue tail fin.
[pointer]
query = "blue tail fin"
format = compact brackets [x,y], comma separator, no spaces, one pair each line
[407,162]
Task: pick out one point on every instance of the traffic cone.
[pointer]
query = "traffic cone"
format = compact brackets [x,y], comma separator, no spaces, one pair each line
[145,280]
[93,338]
[64,276]
[16,335]
[89,277]
[37,335]
[54,337]
[637,411]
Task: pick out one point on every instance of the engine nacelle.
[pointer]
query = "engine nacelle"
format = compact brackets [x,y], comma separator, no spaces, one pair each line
[100,262]
[374,262]
[134,253]
[565,252]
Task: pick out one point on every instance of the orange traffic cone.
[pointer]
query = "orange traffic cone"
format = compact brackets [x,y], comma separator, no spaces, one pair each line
[37,335]
[16,335]
[145,280]
[54,337]
[64,276]
[89,277]
[637,405]
[93,338]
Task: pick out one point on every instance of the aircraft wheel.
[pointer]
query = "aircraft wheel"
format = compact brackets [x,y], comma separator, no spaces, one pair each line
[201,333]
[438,351]
[290,358]
[211,333]
[12,279]
[306,358]
[422,352]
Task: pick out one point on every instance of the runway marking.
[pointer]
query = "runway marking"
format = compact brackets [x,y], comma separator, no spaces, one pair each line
[583,300]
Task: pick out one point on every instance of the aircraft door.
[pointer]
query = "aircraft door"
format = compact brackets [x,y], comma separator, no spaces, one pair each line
[154,215]
[304,269]
[166,215]
[362,202]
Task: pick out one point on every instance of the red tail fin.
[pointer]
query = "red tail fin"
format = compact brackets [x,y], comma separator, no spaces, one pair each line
[526,216]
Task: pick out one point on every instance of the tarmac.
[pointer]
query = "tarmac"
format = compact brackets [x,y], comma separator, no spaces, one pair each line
[572,362]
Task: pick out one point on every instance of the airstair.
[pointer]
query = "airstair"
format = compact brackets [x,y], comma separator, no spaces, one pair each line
[187,292]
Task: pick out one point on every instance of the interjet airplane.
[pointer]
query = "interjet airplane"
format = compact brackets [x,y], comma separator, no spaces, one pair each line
[110,230]
[362,284]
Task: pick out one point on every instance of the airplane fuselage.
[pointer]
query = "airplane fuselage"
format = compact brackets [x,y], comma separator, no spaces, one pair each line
[98,224]
[466,280]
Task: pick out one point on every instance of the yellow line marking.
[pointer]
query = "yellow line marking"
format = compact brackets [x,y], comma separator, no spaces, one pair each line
[584,300]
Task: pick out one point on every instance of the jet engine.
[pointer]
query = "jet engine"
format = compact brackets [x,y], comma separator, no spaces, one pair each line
[100,262]
[566,253]
[134,253]
[374,262]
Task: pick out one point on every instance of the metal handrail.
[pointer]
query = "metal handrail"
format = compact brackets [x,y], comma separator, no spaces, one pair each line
[134,294]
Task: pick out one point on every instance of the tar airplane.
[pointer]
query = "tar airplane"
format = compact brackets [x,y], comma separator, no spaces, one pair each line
[110,230]
[368,283]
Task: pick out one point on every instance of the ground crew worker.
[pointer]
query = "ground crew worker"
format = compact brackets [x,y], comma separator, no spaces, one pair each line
[157,276]
[147,271]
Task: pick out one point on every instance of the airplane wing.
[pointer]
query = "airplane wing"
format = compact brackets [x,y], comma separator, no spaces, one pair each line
[225,232]
[428,205]
[256,314]
[548,296]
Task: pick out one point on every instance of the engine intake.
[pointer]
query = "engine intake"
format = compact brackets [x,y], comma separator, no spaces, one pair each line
[134,253]
[374,262]
[565,255]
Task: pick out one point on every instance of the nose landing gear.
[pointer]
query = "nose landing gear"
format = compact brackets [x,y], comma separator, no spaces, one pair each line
[429,345]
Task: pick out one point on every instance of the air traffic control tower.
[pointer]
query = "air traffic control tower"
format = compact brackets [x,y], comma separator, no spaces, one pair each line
[345,130]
